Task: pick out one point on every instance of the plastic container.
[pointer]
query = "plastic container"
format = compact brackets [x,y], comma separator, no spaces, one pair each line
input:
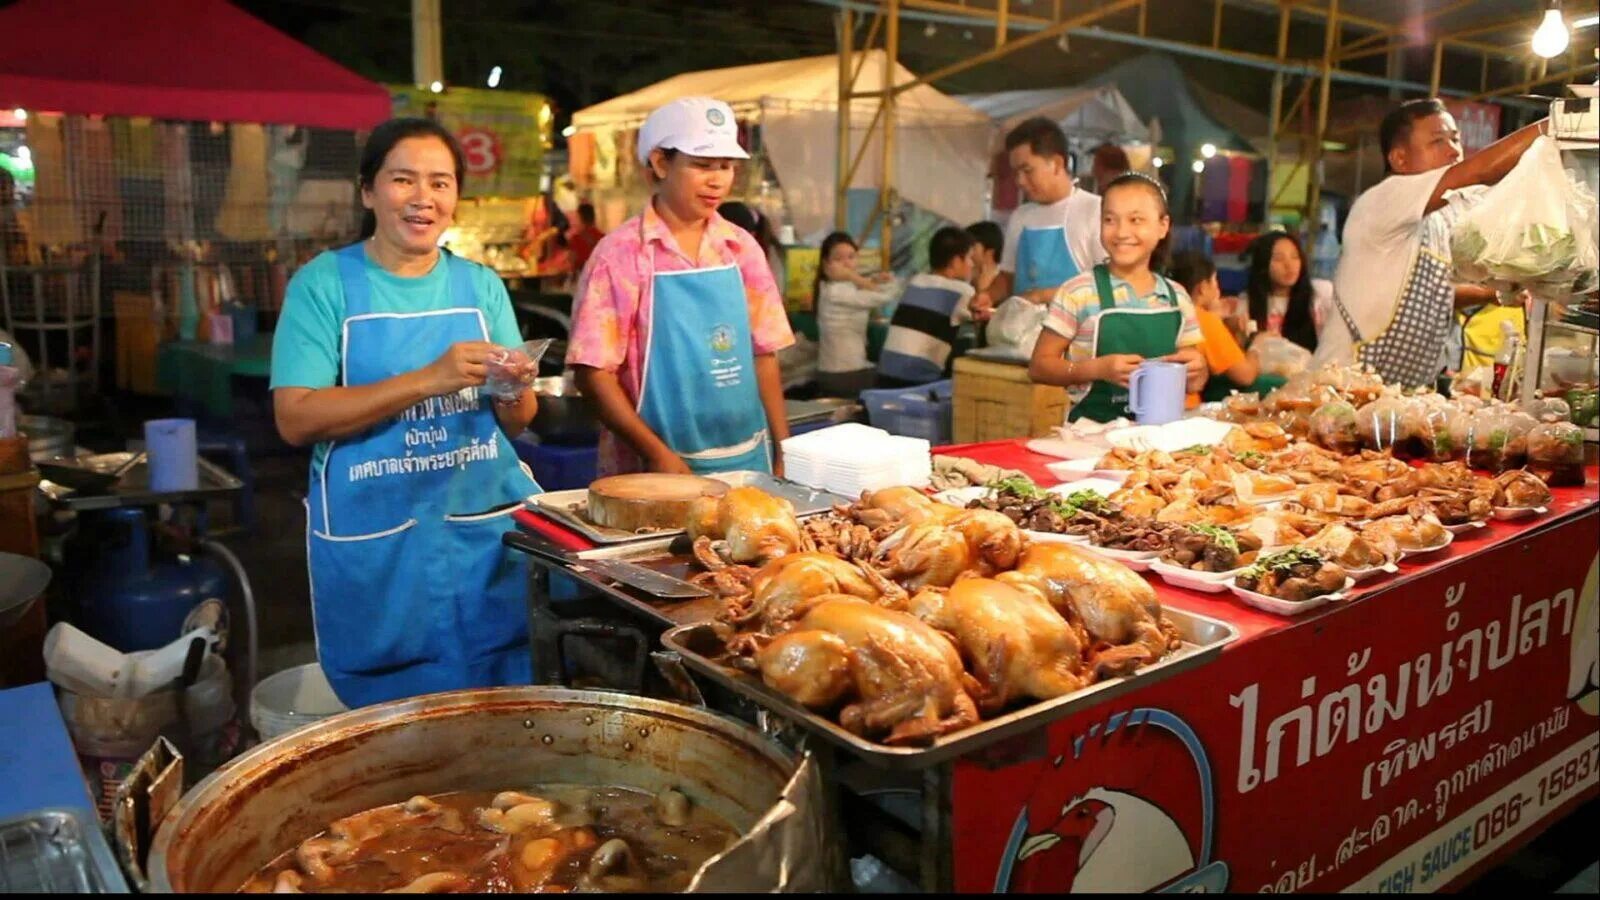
[292,699]
[1555,453]
[921,412]
[558,467]
[174,461]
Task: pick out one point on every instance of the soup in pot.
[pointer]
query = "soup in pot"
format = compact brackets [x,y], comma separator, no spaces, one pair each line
[553,838]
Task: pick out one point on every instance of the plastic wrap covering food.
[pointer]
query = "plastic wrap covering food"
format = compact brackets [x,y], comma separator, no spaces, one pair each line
[1333,426]
[1555,453]
[513,370]
[1379,423]
[1499,439]
[1450,435]
[1280,356]
[1418,430]
[1241,408]
[1548,409]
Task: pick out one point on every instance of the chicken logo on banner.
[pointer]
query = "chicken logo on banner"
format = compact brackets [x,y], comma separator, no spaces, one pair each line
[1127,807]
[1583,672]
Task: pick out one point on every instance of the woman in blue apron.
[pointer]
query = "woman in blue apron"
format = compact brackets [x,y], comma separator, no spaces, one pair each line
[377,360]
[677,321]
[1107,321]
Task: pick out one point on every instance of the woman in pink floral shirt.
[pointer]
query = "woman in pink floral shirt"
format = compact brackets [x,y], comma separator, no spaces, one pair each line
[678,321]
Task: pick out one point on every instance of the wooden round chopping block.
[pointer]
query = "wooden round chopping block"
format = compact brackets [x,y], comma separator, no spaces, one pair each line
[648,500]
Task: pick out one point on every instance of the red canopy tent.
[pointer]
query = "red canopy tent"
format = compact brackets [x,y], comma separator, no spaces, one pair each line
[180,60]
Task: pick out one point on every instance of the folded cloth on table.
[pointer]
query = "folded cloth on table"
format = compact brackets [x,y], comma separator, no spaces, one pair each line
[959,471]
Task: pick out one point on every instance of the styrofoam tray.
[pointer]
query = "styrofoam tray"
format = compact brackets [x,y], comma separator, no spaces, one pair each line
[1105,487]
[1510,513]
[1407,554]
[1373,571]
[1205,582]
[1288,608]
[1137,560]
[1465,527]
[1050,537]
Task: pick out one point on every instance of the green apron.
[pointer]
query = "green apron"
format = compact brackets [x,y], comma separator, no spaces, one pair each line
[1220,388]
[1150,333]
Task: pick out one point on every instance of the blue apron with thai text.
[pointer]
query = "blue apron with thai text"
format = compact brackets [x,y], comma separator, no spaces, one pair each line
[1043,259]
[699,390]
[412,591]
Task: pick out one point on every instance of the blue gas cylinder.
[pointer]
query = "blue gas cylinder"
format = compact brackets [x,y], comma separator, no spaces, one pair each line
[125,597]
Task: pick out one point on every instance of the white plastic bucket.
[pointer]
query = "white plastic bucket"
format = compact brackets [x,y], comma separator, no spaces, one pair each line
[291,699]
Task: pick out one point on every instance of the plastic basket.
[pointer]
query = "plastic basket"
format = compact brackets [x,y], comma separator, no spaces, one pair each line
[922,411]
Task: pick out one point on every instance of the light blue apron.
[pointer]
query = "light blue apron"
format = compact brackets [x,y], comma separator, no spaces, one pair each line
[699,390]
[1043,259]
[411,589]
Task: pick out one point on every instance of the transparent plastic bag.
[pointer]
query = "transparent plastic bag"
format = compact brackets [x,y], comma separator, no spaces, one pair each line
[1523,231]
[1241,408]
[1378,423]
[1555,453]
[1499,439]
[1418,431]
[513,370]
[1017,323]
[1450,433]
[1548,409]
[1280,356]
[1333,426]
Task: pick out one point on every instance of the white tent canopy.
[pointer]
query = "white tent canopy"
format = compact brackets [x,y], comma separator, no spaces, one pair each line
[1095,113]
[942,145]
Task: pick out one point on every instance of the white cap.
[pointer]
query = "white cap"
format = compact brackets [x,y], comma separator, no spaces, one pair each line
[698,126]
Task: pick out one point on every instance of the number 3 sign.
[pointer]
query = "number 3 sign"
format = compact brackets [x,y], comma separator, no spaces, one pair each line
[481,149]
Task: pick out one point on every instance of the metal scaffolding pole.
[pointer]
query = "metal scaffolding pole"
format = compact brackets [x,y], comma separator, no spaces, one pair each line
[1330,40]
[845,22]
[886,192]
[1275,114]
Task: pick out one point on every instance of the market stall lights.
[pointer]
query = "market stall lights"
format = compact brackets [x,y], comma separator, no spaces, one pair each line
[1551,39]
[494,77]
[20,113]
[1198,166]
[1587,22]
[931,30]
[569,131]
[1157,162]
[24,154]
[437,87]
[1208,150]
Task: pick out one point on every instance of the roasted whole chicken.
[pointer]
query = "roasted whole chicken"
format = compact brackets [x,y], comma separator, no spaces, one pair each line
[898,677]
[1117,607]
[779,590]
[1521,489]
[1015,643]
[899,506]
[936,553]
[744,525]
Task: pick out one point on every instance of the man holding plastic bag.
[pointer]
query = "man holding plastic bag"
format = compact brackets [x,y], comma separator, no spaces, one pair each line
[1395,289]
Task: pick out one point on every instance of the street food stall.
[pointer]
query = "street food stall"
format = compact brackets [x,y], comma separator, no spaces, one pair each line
[1346,660]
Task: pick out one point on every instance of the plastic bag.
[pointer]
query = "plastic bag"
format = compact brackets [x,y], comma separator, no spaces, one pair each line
[1555,453]
[1548,409]
[1379,423]
[1017,323]
[513,370]
[1499,439]
[1523,231]
[1279,356]
[1418,431]
[1449,433]
[1333,426]
[1241,407]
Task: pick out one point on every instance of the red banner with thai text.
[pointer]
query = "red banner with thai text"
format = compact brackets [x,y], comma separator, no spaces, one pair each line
[1399,745]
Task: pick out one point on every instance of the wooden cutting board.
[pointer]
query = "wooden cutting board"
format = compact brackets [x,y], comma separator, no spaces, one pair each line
[648,499]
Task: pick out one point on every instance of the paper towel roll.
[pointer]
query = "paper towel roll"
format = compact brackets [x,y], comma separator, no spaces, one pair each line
[173,461]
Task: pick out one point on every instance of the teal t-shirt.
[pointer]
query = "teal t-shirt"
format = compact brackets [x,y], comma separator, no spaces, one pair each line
[305,347]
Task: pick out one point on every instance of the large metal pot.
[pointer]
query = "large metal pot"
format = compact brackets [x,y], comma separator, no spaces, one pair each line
[564,417]
[280,793]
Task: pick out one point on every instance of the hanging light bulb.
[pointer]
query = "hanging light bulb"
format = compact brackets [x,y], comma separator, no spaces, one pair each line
[437,87]
[1208,150]
[1062,44]
[494,77]
[1552,37]
[1157,162]
[931,30]
[967,35]
[1198,166]
[20,113]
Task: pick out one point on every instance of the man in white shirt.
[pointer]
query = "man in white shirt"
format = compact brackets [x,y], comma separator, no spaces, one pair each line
[1394,290]
[1055,235]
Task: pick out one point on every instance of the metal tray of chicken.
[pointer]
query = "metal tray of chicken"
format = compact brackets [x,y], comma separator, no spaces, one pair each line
[669,555]
[1203,638]
[569,507]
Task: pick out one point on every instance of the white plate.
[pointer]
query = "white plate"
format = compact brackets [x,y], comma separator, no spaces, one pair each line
[1465,527]
[1137,560]
[1286,607]
[1373,571]
[1105,487]
[1584,90]
[1205,582]
[962,496]
[1047,537]
[1509,513]
[1407,554]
